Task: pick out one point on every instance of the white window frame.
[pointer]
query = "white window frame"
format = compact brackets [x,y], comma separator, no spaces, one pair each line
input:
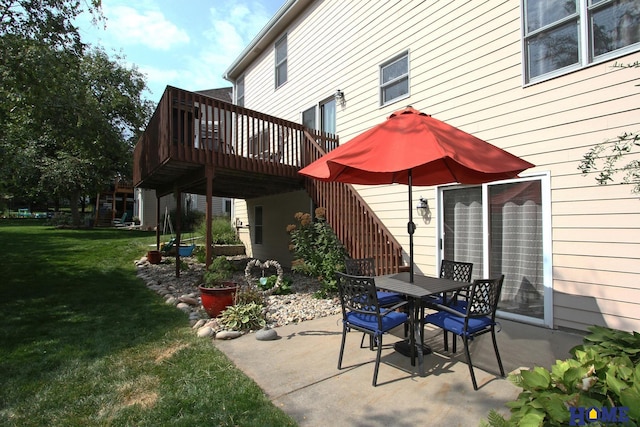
[586,57]
[240,87]
[547,249]
[258,226]
[282,62]
[395,80]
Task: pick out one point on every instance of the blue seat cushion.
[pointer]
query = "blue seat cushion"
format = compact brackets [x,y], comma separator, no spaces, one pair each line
[370,321]
[455,324]
[388,298]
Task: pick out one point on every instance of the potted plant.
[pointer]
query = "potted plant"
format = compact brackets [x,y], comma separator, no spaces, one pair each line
[217,290]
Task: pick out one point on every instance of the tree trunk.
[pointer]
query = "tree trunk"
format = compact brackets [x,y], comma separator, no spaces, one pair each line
[73,206]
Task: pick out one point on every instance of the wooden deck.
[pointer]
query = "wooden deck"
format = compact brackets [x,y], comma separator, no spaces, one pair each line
[193,139]
[251,154]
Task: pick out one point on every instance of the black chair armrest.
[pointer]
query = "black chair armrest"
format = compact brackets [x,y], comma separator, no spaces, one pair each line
[442,307]
[388,310]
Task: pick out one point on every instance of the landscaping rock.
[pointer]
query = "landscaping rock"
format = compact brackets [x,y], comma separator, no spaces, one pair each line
[188,300]
[184,307]
[228,335]
[199,324]
[266,334]
[204,332]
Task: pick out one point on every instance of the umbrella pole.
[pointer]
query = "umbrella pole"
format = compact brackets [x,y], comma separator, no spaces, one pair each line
[411,227]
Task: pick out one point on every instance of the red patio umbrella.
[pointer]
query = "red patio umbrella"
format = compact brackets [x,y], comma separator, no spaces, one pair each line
[409,148]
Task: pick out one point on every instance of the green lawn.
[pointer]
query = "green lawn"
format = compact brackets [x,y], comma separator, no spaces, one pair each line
[84,342]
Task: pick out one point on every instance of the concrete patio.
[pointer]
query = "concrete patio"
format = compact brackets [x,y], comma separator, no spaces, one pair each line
[298,372]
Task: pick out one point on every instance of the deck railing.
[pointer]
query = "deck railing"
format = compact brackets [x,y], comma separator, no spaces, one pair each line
[194,128]
[356,226]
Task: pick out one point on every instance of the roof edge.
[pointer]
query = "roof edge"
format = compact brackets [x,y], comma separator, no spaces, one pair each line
[264,38]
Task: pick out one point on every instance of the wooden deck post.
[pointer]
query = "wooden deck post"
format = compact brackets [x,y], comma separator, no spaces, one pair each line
[209,173]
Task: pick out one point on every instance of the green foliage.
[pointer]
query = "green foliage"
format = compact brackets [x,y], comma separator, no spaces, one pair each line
[317,250]
[220,271]
[249,294]
[189,221]
[604,372]
[222,232]
[270,282]
[604,158]
[69,114]
[200,253]
[243,317]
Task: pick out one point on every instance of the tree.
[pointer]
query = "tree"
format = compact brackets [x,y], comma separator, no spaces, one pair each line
[605,157]
[69,114]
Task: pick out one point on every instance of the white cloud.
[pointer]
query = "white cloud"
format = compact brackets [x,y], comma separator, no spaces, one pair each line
[231,30]
[150,28]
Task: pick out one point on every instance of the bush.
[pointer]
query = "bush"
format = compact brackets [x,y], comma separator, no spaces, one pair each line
[222,232]
[317,250]
[189,222]
[220,271]
[603,373]
[243,317]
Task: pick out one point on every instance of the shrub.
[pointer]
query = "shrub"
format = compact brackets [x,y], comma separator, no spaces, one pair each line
[243,317]
[603,373]
[317,250]
[222,232]
[219,272]
[189,220]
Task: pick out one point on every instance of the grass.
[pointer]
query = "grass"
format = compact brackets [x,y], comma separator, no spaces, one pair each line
[84,342]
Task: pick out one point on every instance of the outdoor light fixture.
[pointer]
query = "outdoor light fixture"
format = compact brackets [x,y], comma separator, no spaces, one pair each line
[423,207]
[339,96]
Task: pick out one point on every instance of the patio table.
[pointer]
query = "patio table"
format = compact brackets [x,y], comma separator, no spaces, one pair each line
[422,286]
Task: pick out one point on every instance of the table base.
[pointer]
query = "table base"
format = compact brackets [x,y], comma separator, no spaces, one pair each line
[404,349]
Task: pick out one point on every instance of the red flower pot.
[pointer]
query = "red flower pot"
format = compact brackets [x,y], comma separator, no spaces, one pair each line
[215,300]
[154,257]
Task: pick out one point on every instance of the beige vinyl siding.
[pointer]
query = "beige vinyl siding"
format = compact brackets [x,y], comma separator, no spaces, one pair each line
[465,68]
[278,212]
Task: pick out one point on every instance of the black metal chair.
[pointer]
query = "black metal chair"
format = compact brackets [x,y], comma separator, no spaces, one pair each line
[477,318]
[460,272]
[453,270]
[367,267]
[361,311]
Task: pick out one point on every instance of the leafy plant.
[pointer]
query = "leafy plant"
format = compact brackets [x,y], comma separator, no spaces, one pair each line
[603,373]
[270,282]
[200,254]
[222,232]
[243,317]
[220,271]
[317,250]
[249,294]
[605,157]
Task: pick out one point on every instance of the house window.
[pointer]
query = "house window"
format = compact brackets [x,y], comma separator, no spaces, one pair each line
[502,228]
[281,61]
[562,35]
[328,116]
[226,206]
[257,225]
[309,118]
[394,79]
[240,91]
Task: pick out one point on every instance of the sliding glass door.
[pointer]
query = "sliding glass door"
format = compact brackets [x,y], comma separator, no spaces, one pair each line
[503,228]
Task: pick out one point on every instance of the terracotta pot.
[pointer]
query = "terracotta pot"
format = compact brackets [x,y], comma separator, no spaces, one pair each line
[215,300]
[154,257]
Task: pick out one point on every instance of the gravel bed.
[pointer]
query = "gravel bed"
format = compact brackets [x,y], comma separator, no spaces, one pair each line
[296,307]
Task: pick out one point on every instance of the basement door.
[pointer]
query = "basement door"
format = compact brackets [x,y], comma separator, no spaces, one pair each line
[503,228]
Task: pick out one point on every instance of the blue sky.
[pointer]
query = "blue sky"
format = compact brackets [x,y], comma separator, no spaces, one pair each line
[187,44]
